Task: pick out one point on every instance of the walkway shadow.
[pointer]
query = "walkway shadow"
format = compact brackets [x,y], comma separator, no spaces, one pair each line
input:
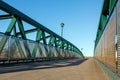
[9,68]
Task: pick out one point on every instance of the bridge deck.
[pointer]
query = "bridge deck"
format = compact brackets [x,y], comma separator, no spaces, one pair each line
[54,70]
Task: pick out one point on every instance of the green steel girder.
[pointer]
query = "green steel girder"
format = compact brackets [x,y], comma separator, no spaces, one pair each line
[56,43]
[21,28]
[105,10]
[69,47]
[39,35]
[111,5]
[54,39]
[2,17]
[2,43]
[61,44]
[14,30]
[103,21]
[11,25]
[8,31]
[43,37]
[108,7]
[28,31]
[65,46]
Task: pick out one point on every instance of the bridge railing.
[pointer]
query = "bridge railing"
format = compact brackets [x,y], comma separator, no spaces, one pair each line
[18,48]
[107,46]
[25,38]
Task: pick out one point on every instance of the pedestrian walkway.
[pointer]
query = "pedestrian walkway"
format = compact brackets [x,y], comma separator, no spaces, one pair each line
[74,69]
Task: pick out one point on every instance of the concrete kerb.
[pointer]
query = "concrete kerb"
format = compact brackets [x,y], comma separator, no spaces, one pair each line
[110,73]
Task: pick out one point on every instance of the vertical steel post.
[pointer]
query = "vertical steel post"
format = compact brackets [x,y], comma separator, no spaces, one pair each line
[61,31]
[62,25]
[116,38]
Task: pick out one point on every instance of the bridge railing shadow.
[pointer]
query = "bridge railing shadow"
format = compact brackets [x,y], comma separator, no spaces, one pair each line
[9,68]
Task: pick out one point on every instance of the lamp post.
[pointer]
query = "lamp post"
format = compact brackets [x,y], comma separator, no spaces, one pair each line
[62,25]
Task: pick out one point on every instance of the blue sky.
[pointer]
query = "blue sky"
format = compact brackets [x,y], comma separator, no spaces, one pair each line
[81,18]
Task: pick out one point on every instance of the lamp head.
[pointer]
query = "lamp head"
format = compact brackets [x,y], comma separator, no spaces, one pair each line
[62,24]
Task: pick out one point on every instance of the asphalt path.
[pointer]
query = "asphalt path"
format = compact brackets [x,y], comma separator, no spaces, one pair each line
[71,69]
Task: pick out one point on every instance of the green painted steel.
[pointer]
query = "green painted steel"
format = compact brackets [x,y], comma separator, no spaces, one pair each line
[10,27]
[8,31]
[2,17]
[2,43]
[21,28]
[47,43]
[43,37]
[108,6]
[39,34]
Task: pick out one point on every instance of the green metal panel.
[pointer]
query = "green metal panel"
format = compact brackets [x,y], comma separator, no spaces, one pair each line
[112,2]
[103,21]
[107,10]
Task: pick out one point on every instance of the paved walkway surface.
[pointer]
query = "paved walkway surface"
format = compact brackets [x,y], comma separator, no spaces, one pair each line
[74,69]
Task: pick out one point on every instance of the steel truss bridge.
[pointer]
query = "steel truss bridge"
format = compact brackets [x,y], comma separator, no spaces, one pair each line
[23,39]
[16,45]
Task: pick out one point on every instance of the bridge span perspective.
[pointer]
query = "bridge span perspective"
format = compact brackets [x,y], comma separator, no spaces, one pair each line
[31,51]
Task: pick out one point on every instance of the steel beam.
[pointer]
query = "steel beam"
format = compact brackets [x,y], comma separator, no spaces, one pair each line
[20,17]
[4,6]
[11,25]
[39,35]
[7,16]
[21,28]
[27,31]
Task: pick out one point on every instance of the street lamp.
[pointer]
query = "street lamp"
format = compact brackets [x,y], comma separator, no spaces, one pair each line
[62,25]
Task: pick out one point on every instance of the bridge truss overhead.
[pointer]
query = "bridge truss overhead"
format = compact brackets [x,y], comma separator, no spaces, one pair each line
[24,38]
